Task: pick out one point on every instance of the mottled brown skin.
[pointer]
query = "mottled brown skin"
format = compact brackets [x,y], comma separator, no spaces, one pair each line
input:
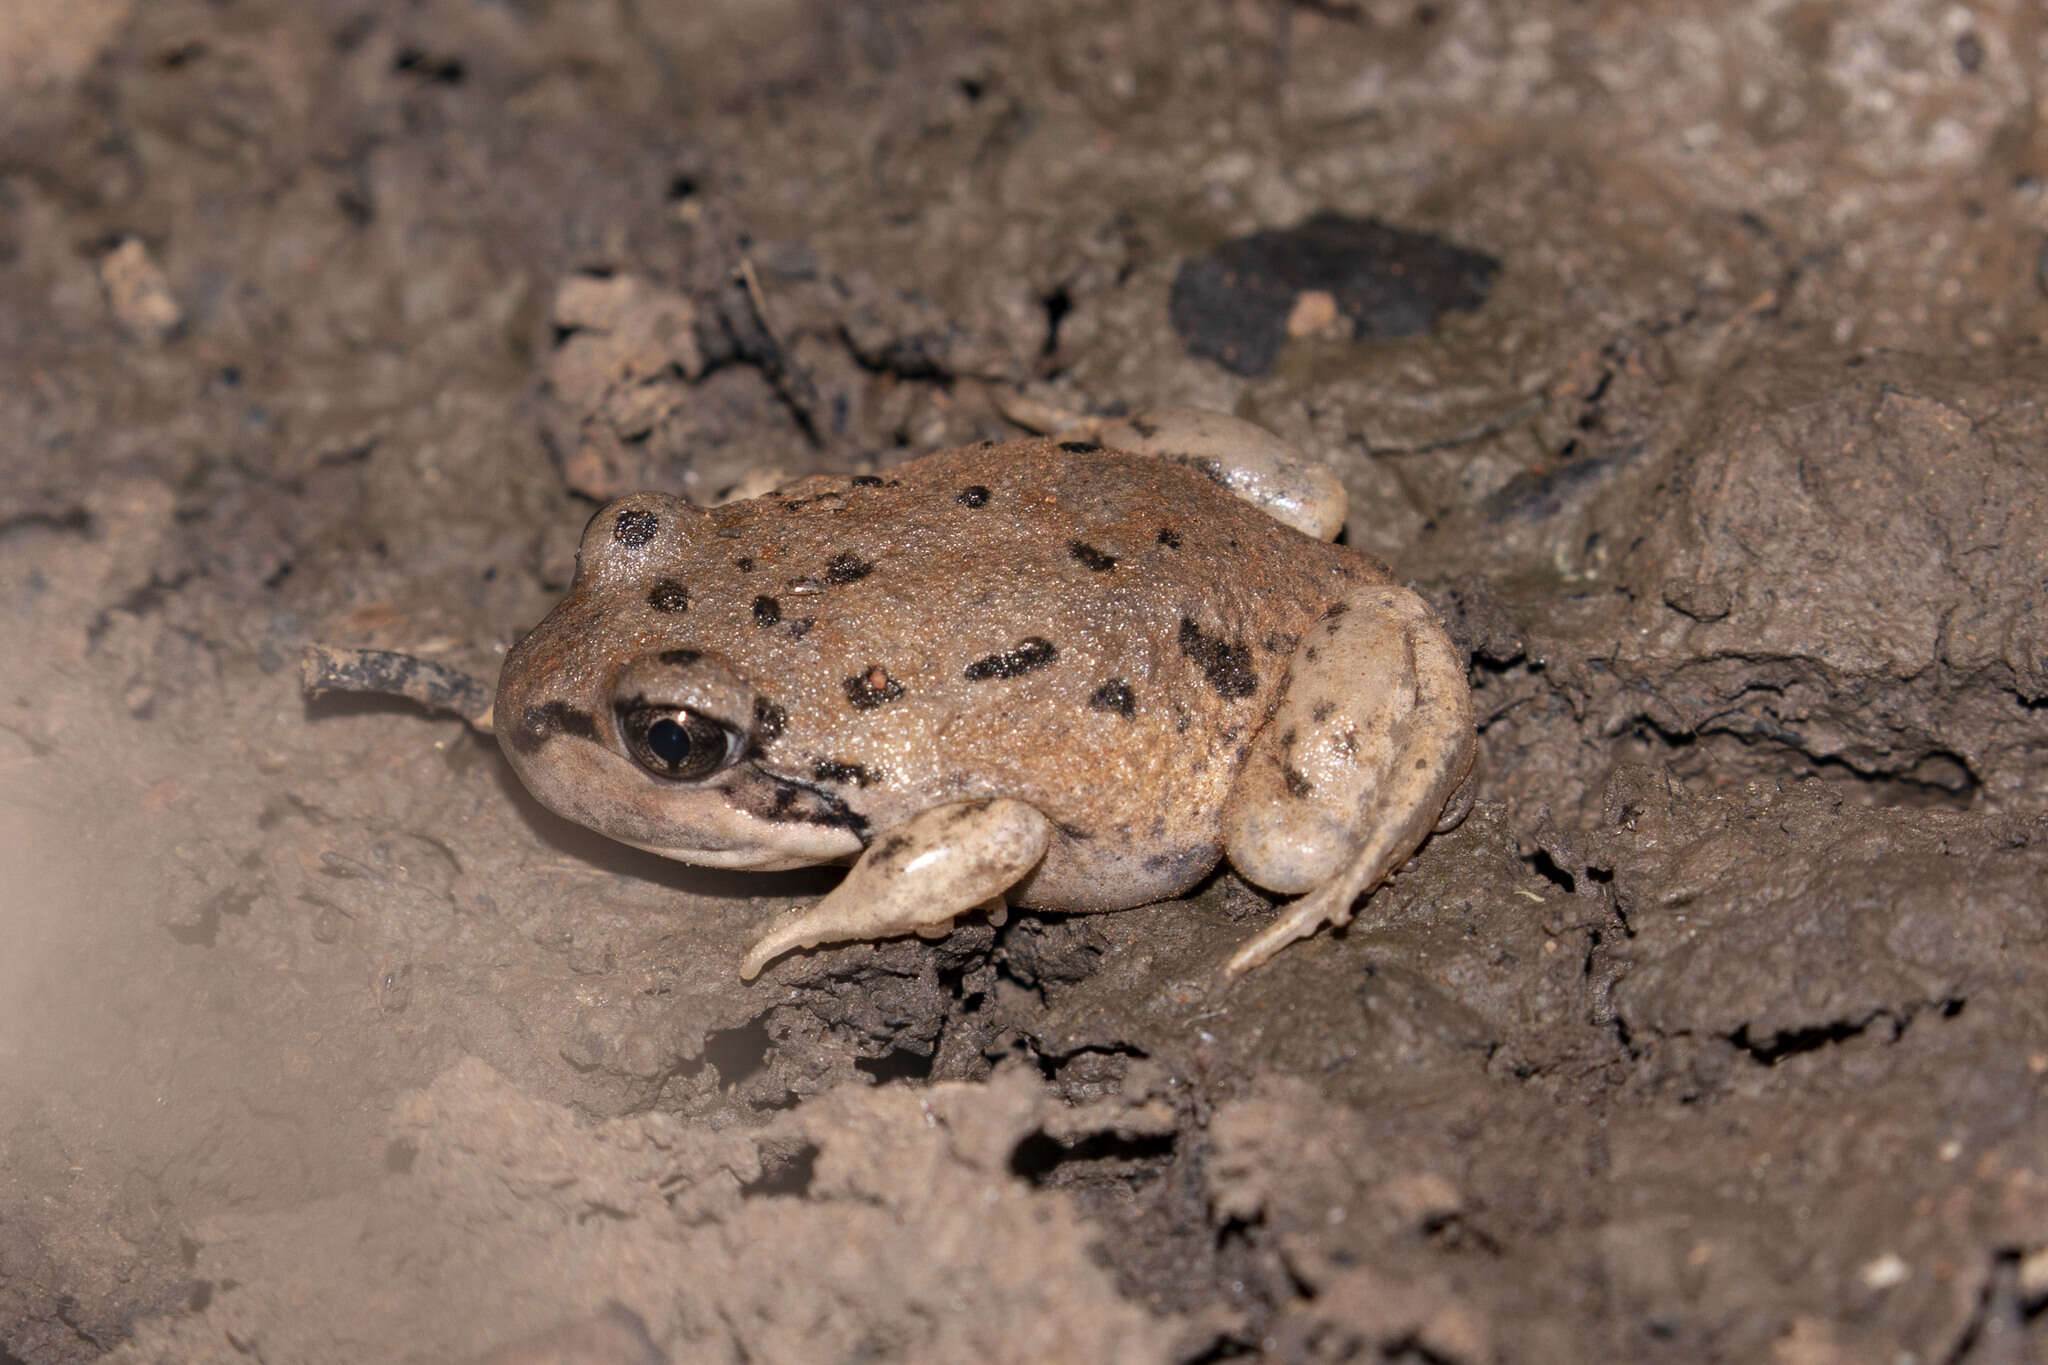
[1096,634]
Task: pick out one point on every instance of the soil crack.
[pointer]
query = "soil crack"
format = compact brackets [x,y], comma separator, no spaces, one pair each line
[1791,1042]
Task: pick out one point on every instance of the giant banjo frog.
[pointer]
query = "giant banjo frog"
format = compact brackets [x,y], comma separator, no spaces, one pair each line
[1066,674]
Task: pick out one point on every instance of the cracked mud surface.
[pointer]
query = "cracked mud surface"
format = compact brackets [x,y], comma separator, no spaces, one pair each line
[1716,1033]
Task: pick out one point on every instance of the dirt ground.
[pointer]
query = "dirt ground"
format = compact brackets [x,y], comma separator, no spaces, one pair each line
[1718,1032]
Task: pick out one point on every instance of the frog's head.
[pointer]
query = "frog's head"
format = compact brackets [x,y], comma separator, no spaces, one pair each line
[612,720]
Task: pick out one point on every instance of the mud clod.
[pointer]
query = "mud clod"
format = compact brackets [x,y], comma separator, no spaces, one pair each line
[1233,305]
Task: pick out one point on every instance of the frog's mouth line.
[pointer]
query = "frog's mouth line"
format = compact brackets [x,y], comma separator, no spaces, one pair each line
[781,805]
[774,801]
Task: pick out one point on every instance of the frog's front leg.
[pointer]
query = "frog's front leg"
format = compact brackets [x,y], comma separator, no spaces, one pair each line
[916,877]
[1365,755]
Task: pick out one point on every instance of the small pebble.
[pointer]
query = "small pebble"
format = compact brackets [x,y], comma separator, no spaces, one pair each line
[138,294]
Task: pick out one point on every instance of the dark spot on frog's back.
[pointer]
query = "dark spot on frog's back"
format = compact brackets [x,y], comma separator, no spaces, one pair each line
[974,495]
[1115,695]
[745,563]
[1079,447]
[767,611]
[1298,786]
[867,481]
[539,724]
[1228,667]
[679,658]
[871,687]
[847,568]
[1169,537]
[769,721]
[1029,653]
[1094,559]
[668,596]
[635,527]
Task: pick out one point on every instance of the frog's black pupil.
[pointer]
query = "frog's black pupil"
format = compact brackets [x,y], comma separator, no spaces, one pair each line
[669,742]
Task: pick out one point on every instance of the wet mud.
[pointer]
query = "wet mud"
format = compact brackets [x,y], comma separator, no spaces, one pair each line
[1716,1033]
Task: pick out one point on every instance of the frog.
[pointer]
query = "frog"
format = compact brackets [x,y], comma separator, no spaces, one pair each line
[1072,672]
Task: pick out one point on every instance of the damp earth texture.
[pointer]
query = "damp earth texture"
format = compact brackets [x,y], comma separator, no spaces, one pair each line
[1680,364]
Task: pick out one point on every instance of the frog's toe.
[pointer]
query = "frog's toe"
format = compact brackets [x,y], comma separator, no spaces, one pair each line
[1461,802]
[1297,920]
[918,877]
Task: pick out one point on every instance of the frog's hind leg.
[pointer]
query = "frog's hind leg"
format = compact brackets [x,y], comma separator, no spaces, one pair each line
[1246,461]
[1367,752]
[917,877]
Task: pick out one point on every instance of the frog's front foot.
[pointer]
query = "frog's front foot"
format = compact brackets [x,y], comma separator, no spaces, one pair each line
[1368,752]
[918,877]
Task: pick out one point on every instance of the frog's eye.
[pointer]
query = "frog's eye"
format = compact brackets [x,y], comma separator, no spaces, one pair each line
[676,743]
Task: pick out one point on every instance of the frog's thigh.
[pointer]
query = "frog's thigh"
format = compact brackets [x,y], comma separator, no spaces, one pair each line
[1356,766]
[915,878]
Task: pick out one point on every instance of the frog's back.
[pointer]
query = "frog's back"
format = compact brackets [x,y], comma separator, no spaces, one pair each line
[1095,633]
